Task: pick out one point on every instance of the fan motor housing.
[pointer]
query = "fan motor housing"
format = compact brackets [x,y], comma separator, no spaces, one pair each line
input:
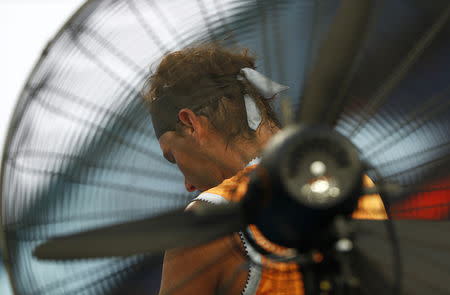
[308,175]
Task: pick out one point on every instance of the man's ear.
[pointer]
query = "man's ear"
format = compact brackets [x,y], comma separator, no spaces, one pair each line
[191,122]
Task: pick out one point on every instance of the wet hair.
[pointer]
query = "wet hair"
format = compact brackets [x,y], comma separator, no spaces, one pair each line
[209,73]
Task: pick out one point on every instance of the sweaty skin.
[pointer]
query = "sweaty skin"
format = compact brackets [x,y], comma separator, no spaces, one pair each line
[203,156]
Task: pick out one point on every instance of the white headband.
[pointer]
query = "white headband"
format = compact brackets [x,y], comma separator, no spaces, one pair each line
[265,86]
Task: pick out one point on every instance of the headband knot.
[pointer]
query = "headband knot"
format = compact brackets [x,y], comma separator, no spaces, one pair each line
[265,86]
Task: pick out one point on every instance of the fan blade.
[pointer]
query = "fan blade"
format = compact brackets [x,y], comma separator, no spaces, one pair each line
[322,99]
[175,229]
[424,256]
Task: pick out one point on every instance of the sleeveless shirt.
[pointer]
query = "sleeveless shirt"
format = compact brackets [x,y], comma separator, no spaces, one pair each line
[276,277]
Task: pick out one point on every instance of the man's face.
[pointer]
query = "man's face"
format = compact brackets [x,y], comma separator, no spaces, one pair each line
[198,162]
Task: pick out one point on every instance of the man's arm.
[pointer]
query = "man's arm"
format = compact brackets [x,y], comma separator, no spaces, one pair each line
[205,269]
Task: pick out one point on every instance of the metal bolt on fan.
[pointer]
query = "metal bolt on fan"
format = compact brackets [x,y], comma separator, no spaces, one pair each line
[84,184]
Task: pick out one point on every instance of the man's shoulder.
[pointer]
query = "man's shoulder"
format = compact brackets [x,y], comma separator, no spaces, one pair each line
[232,189]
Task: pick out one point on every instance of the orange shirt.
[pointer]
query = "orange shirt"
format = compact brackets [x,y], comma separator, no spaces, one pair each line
[276,277]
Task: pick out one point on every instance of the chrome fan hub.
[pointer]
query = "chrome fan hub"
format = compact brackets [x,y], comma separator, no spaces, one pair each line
[308,175]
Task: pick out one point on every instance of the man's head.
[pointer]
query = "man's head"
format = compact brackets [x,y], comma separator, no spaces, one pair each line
[199,114]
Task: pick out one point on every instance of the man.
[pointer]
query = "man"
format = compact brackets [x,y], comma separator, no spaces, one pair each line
[212,115]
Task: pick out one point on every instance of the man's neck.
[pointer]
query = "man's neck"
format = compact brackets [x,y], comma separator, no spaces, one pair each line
[245,151]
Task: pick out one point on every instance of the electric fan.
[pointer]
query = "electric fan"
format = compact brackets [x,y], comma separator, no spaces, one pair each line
[81,160]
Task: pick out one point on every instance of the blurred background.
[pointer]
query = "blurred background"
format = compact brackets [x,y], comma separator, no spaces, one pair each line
[26,26]
[77,64]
